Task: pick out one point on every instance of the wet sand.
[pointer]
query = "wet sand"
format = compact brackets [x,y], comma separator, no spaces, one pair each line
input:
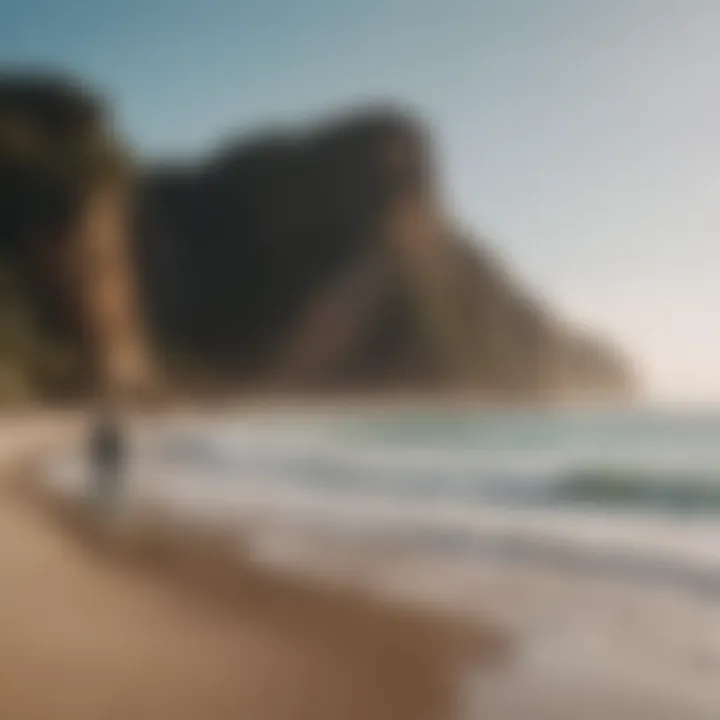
[586,645]
[146,623]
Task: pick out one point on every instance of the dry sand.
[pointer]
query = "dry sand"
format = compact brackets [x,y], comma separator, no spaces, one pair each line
[140,624]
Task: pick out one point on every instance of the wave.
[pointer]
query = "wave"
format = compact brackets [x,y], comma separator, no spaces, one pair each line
[668,482]
[640,488]
[543,522]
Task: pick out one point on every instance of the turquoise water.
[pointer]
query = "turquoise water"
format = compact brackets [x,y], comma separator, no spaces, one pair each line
[642,461]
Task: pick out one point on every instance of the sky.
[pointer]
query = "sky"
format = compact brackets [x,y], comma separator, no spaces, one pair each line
[581,136]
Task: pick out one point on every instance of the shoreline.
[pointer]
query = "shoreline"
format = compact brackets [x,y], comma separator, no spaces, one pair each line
[152,620]
[583,645]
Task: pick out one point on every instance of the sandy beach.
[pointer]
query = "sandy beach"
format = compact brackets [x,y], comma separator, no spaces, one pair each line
[123,626]
[159,616]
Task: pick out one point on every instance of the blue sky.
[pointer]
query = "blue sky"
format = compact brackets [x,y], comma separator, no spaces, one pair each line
[582,136]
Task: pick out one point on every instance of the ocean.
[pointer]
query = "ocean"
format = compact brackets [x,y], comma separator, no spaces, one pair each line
[638,462]
[634,492]
[593,535]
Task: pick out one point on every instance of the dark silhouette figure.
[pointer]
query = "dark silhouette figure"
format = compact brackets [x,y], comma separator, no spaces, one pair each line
[107,459]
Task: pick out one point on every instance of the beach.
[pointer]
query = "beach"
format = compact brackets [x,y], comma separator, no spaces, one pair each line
[228,588]
[119,625]
[586,645]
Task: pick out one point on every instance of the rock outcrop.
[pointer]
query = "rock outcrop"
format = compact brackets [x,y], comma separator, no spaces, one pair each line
[64,220]
[316,260]
[327,260]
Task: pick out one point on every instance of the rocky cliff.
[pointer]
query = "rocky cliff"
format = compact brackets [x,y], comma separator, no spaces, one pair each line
[321,259]
[71,320]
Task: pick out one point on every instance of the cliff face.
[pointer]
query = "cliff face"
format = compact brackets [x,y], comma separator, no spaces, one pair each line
[315,260]
[257,235]
[327,260]
[64,190]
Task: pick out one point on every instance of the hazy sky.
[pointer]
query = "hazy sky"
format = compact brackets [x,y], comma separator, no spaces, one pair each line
[583,136]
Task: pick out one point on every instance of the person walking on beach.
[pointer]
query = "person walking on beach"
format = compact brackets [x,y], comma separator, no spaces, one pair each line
[107,461]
